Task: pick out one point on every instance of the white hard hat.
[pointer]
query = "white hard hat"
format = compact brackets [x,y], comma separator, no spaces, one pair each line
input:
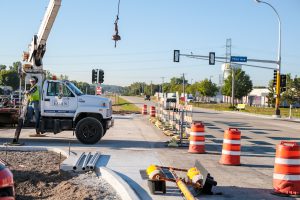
[32,79]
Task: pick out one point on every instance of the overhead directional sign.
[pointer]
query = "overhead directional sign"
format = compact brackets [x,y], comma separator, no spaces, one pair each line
[238,59]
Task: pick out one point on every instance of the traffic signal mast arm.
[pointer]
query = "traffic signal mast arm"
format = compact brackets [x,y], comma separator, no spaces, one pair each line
[224,58]
[37,48]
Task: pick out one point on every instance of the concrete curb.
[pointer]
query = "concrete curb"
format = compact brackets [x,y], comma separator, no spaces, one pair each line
[121,186]
[31,148]
[264,116]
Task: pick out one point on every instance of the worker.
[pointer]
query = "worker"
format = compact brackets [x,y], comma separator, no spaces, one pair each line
[33,96]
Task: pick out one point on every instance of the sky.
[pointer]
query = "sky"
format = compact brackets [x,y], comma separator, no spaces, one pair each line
[80,39]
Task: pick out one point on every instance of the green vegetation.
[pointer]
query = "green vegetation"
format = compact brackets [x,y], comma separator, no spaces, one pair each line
[121,104]
[242,84]
[251,109]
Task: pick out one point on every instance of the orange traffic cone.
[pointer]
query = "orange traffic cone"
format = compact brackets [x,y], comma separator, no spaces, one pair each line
[286,176]
[197,138]
[231,147]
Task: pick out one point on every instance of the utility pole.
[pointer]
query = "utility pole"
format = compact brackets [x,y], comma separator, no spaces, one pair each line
[228,56]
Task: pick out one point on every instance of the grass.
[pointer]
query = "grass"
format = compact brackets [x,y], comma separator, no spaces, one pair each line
[121,104]
[251,109]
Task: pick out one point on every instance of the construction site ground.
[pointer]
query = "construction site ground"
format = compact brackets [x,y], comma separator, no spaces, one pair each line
[134,143]
[37,175]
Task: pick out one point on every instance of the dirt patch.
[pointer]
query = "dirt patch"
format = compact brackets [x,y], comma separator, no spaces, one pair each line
[37,176]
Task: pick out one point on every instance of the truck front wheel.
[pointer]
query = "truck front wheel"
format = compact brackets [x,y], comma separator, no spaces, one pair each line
[89,130]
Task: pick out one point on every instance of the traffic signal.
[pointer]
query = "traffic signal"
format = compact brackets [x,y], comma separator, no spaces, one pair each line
[283,80]
[176,56]
[94,75]
[211,58]
[275,78]
[101,76]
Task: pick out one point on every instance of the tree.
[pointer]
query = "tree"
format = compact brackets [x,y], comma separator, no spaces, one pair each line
[292,93]
[296,85]
[271,94]
[207,88]
[242,84]
[9,78]
[2,67]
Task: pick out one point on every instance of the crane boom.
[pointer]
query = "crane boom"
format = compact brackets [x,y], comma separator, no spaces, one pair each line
[37,48]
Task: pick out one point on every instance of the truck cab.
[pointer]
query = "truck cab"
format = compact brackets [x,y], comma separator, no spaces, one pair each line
[65,107]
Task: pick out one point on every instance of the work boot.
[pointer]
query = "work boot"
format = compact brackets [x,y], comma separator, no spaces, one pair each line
[37,131]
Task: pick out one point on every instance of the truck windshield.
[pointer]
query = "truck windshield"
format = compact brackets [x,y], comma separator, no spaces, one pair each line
[74,88]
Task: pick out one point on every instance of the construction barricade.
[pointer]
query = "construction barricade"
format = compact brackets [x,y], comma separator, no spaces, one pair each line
[173,120]
[231,151]
[197,138]
[188,118]
[286,176]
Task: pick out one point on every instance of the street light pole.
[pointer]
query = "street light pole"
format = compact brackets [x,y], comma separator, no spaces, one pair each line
[277,110]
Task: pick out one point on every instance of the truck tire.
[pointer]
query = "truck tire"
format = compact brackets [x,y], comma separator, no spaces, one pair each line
[89,130]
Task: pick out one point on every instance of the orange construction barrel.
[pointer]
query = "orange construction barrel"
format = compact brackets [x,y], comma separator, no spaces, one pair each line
[286,176]
[144,109]
[197,138]
[152,111]
[231,151]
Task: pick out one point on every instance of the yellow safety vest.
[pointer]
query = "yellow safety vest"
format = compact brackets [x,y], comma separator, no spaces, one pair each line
[35,96]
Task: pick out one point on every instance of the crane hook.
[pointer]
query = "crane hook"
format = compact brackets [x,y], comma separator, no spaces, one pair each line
[116,37]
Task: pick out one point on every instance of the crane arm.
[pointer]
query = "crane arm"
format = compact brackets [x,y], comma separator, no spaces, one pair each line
[37,48]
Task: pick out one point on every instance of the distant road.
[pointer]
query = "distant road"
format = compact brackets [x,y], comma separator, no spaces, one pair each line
[138,101]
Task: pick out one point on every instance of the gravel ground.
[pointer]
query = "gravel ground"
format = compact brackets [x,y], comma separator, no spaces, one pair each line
[37,176]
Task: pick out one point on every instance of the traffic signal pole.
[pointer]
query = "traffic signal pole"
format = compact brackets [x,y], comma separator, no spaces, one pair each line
[277,103]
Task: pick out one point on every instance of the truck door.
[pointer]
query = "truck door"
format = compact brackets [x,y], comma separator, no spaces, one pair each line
[59,100]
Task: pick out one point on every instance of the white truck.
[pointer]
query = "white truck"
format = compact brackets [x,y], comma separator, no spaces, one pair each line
[62,105]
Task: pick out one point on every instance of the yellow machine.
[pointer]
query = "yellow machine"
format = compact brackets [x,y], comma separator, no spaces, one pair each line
[197,177]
